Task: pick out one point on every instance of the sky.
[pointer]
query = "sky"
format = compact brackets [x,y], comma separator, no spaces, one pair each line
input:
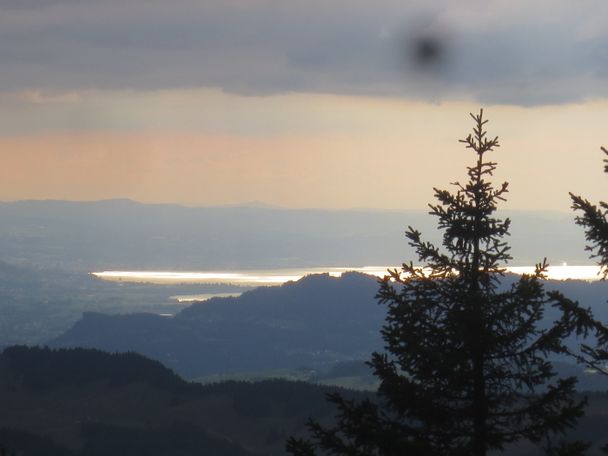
[329,104]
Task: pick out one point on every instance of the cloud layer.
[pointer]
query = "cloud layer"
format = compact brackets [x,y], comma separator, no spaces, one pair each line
[512,52]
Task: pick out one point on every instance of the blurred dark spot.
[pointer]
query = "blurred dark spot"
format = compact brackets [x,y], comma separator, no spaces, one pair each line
[427,51]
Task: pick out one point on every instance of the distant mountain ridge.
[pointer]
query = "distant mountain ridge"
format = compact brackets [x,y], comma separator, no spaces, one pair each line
[124,234]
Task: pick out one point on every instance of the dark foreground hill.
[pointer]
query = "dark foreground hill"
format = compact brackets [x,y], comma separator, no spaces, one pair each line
[78,402]
[87,403]
[314,322]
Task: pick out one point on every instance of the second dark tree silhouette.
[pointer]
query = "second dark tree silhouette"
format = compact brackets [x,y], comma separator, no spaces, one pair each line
[594,219]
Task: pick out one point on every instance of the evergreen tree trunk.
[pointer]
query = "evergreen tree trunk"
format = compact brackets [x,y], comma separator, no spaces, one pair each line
[478,352]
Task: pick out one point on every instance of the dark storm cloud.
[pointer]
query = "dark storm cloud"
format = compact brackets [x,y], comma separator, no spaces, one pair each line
[503,52]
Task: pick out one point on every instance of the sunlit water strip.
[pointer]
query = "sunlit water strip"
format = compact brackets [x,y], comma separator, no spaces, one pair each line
[279,276]
[203,297]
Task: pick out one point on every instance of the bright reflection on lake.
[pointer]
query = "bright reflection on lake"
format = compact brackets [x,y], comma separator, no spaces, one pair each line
[203,297]
[279,276]
[563,272]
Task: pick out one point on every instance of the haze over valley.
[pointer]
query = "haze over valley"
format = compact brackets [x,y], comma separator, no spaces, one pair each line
[126,235]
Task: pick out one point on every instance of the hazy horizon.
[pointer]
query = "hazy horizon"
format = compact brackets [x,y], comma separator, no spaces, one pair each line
[248,204]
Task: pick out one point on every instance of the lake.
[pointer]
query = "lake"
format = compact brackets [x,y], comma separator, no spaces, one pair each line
[267,277]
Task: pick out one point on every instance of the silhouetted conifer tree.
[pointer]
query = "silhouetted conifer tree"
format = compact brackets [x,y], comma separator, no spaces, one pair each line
[594,219]
[466,368]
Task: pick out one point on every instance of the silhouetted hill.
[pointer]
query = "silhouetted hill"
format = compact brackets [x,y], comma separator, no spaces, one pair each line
[27,444]
[125,404]
[36,305]
[88,403]
[123,234]
[43,368]
[177,439]
[315,322]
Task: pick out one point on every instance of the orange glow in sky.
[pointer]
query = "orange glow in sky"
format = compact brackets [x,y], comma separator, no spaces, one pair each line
[302,150]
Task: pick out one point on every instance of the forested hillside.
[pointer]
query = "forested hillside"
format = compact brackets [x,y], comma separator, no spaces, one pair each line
[92,403]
